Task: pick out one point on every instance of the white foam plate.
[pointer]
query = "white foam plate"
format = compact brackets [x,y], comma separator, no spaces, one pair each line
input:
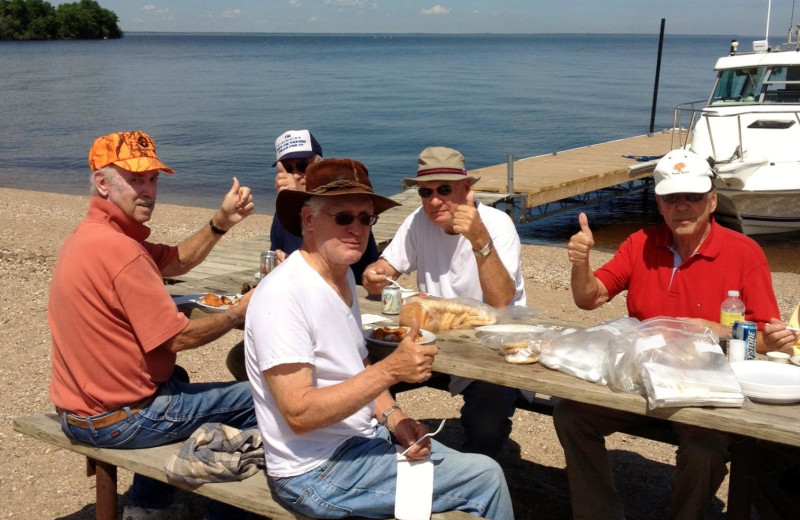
[511,328]
[795,360]
[427,337]
[768,382]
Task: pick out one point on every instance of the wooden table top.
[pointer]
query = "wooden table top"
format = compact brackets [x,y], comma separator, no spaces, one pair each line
[460,354]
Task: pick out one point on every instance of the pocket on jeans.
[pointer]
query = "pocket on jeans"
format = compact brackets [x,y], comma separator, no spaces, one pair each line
[118,436]
[311,504]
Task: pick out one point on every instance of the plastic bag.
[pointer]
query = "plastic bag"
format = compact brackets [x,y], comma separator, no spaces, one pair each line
[583,353]
[436,314]
[520,348]
[516,314]
[680,363]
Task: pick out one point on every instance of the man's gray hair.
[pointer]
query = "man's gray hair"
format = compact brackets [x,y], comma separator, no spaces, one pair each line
[109,174]
[316,204]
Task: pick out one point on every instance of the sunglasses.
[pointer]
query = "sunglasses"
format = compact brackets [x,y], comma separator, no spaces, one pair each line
[345,219]
[295,167]
[674,198]
[444,190]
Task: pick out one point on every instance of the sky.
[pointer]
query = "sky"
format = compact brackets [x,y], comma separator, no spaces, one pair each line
[726,17]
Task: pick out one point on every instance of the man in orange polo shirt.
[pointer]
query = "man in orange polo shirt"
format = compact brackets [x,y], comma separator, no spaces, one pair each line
[116,330]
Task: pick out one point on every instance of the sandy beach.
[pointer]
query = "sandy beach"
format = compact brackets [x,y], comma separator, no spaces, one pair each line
[37,481]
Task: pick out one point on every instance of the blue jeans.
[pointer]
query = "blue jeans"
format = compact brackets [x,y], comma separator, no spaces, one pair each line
[178,409]
[486,416]
[360,479]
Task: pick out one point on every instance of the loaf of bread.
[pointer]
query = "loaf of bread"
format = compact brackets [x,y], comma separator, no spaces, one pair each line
[437,314]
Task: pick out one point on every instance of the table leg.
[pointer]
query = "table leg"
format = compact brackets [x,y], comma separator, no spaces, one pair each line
[740,489]
[105,488]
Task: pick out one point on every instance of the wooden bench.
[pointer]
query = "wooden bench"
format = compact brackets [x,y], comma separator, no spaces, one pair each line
[251,494]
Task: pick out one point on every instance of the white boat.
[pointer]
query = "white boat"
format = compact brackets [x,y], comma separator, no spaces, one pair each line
[750,131]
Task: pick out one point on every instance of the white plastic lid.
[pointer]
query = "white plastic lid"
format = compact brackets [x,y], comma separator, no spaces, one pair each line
[733,294]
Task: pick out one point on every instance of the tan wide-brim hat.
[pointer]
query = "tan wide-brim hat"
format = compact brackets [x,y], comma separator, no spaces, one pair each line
[328,178]
[437,163]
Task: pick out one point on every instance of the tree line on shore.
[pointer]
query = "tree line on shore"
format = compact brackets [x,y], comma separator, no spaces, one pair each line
[38,20]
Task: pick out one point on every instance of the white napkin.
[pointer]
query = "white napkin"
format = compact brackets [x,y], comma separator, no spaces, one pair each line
[369,319]
[414,495]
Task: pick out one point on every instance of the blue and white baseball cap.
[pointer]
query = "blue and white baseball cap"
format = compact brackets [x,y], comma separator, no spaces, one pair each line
[296,144]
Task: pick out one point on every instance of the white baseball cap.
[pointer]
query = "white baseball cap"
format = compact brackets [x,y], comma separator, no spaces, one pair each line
[296,144]
[682,171]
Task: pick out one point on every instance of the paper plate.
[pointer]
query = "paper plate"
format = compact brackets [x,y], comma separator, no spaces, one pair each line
[511,328]
[427,337]
[768,382]
[221,308]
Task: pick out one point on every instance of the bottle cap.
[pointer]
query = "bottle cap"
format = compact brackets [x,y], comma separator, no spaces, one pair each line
[733,294]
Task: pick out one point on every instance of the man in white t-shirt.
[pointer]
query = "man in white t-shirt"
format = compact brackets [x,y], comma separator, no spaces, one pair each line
[325,414]
[459,248]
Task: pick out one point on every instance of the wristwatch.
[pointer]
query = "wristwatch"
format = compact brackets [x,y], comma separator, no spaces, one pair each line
[387,413]
[484,251]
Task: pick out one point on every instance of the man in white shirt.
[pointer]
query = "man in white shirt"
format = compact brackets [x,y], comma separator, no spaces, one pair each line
[459,248]
[324,411]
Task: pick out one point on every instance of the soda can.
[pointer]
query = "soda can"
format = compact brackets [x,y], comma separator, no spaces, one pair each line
[391,300]
[268,261]
[746,331]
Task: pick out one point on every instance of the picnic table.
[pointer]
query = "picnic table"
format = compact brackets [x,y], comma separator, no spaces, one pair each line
[460,354]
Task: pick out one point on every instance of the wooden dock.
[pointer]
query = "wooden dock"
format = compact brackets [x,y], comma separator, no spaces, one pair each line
[537,181]
[571,173]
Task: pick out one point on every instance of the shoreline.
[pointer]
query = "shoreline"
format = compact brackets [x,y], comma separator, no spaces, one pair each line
[43,482]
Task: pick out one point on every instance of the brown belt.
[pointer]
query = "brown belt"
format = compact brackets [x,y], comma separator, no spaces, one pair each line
[106,420]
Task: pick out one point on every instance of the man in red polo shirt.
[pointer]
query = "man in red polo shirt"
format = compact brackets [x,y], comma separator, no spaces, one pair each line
[682,268]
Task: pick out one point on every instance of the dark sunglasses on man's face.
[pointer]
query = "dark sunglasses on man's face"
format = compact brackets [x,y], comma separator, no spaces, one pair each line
[345,219]
[444,190]
[674,198]
[295,167]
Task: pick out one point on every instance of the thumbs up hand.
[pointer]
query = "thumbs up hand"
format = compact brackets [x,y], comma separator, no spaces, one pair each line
[467,221]
[581,243]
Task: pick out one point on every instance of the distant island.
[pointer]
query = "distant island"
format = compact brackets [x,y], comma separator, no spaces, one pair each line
[38,20]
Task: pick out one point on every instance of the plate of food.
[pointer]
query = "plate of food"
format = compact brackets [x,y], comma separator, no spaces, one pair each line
[391,336]
[217,302]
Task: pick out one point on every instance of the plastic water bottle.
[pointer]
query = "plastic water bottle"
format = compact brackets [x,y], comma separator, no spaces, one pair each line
[732,309]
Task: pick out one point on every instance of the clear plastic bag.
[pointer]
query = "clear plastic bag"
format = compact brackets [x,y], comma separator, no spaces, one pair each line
[438,314]
[520,348]
[680,363]
[583,353]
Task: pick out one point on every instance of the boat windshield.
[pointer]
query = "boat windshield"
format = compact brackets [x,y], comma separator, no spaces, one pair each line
[738,86]
[755,85]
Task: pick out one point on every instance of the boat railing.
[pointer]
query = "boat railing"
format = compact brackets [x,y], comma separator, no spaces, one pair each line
[685,111]
[692,111]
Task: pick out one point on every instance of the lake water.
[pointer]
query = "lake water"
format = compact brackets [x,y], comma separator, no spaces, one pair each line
[214,103]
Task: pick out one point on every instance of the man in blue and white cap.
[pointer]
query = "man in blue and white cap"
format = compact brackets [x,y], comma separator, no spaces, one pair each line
[295,150]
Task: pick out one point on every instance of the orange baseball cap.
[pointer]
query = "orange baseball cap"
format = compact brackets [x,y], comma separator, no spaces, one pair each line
[133,151]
